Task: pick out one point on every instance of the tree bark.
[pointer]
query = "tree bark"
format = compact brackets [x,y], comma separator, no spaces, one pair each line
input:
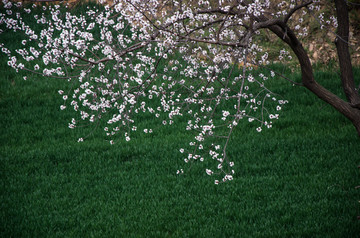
[342,46]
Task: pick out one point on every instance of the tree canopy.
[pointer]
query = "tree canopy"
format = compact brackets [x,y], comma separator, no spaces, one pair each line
[206,61]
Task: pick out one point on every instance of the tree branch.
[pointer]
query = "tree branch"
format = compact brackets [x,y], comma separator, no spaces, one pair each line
[287,17]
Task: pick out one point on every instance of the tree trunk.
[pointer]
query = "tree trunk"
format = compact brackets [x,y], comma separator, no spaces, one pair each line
[350,109]
[342,46]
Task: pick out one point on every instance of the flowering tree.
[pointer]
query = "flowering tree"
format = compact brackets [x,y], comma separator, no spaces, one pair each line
[197,60]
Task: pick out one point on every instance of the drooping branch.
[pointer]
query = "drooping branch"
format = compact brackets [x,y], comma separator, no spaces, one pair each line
[149,52]
[90,61]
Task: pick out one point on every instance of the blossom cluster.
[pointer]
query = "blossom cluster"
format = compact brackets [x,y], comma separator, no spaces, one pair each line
[198,60]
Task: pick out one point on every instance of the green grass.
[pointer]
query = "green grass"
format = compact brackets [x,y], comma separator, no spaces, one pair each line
[295,180]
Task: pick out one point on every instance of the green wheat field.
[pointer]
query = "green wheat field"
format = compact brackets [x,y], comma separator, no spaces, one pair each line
[297,179]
